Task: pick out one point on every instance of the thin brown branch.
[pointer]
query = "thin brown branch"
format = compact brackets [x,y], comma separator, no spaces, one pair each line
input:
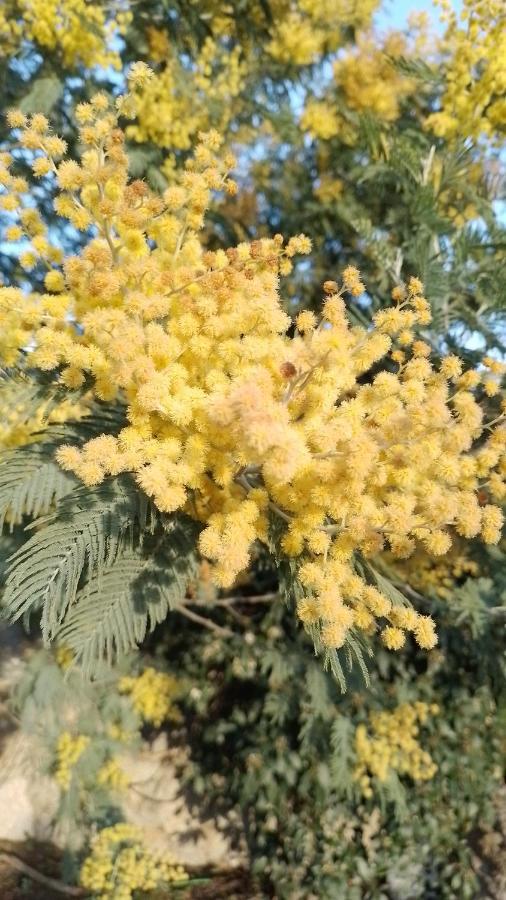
[242,620]
[243,481]
[54,883]
[260,598]
[150,796]
[206,623]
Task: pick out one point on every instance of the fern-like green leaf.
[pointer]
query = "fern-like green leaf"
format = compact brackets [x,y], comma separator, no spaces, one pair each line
[332,662]
[84,535]
[31,389]
[358,652]
[31,482]
[416,68]
[341,740]
[117,607]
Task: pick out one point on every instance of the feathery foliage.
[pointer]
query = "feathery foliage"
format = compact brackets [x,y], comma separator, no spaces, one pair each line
[127,598]
[84,535]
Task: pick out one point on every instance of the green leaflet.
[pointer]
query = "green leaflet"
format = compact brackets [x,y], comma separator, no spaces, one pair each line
[43,95]
[341,742]
[416,68]
[84,535]
[31,482]
[21,386]
[117,607]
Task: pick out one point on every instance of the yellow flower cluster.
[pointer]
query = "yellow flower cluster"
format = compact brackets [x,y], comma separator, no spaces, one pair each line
[437,576]
[117,733]
[69,749]
[64,657]
[391,745]
[329,189]
[119,865]
[178,102]
[80,32]
[152,695]
[474,100]
[306,29]
[295,32]
[348,436]
[368,79]
[320,120]
[112,776]
[453,202]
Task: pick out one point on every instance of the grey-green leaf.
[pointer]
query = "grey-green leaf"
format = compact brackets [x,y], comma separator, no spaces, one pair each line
[116,609]
[42,96]
[84,535]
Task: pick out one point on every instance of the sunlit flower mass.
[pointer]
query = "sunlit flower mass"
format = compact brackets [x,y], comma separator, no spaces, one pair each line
[348,437]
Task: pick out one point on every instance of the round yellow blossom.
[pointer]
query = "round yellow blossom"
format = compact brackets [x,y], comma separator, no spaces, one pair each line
[69,749]
[306,321]
[15,118]
[80,33]
[393,638]
[119,865]
[320,120]
[391,745]
[54,281]
[235,417]
[13,233]
[475,74]
[152,694]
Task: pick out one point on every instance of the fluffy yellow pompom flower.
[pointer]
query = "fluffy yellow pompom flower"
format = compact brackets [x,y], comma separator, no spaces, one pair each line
[473,102]
[234,417]
[391,745]
[69,749]
[320,120]
[54,281]
[79,32]
[119,865]
[152,695]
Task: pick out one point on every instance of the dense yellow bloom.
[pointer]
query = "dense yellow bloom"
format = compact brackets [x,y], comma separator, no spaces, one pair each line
[117,733]
[304,30]
[119,865]
[152,695]
[438,576]
[112,776]
[68,751]
[474,100]
[319,119]
[232,418]
[296,32]
[329,189]
[391,745]
[178,102]
[78,31]
[369,80]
